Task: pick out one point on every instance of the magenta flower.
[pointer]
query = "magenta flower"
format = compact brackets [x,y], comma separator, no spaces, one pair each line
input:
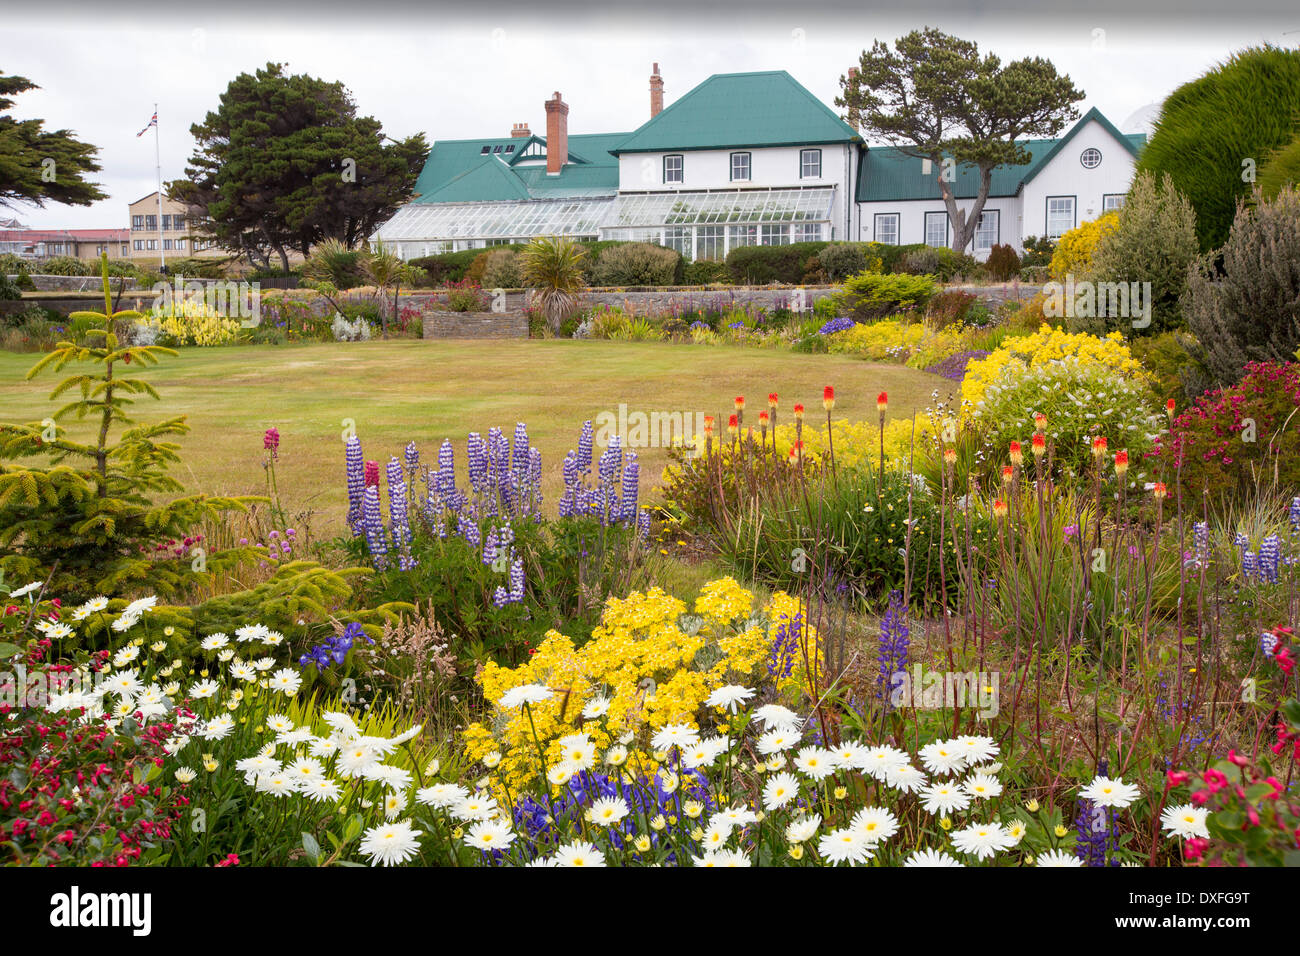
[271,442]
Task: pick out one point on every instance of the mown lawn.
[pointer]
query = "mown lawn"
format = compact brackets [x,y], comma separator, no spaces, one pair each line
[401,391]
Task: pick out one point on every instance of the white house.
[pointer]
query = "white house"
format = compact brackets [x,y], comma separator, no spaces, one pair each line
[741,159]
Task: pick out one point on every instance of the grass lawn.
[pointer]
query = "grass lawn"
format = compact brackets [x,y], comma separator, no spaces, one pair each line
[427,391]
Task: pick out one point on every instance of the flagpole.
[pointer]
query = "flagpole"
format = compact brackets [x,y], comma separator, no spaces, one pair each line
[157,152]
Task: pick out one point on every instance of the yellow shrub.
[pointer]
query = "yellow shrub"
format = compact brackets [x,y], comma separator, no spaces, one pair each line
[1045,346]
[655,665]
[1073,255]
[192,322]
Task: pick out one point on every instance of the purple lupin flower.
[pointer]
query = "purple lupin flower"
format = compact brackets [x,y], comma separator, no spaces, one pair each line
[785,645]
[643,524]
[1270,558]
[585,442]
[412,456]
[356,472]
[517,580]
[1294,514]
[446,470]
[372,526]
[519,454]
[477,459]
[894,644]
[631,480]
[490,546]
[569,499]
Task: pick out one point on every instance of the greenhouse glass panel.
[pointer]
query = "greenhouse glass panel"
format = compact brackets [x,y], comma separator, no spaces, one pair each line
[748,205]
[435,222]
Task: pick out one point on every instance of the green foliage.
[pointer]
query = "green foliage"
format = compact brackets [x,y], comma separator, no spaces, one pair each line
[705,272]
[86,518]
[844,259]
[760,265]
[9,291]
[939,97]
[871,295]
[503,270]
[1002,264]
[1248,308]
[1153,240]
[264,188]
[1281,170]
[1176,360]
[553,266]
[949,308]
[27,149]
[940,262]
[447,267]
[1038,251]
[333,262]
[65,266]
[637,264]
[1240,112]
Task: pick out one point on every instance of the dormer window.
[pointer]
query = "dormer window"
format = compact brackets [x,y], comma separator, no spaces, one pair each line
[1090,158]
[485,150]
[496,149]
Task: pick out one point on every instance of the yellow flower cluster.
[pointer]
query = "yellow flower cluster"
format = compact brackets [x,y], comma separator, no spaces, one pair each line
[1073,254]
[193,323]
[889,338]
[1045,346]
[858,443]
[652,662]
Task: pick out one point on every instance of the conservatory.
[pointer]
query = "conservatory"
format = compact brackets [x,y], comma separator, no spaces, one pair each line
[426,229]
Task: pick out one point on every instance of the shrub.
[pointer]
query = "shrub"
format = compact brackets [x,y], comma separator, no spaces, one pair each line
[1003,263]
[1038,251]
[464,296]
[1249,308]
[843,259]
[334,263]
[1074,250]
[197,268]
[1218,451]
[761,265]
[476,268]
[64,266]
[940,262]
[503,270]
[1154,240]
[705,272]
[1176,362]
[1280,170]
[891,257]
[553,266]
[949,308]
[638,264]
[1245,108]
[9,290]
[1081,399]
[190,322]
[870,295]
[1047,346]
[447,267]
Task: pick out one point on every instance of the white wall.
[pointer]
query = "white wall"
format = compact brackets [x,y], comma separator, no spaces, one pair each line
[775,167]
[911,219]
[1065,175]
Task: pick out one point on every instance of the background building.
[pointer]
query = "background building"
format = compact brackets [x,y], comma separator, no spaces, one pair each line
[37,244]
[149,242]
[742,159]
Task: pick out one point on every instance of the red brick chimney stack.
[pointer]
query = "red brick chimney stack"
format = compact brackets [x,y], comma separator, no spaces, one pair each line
[520,129]
[557,134]
[656,93]
[855,119]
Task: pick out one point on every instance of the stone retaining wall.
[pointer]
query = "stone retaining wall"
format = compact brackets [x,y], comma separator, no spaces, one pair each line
[475,325]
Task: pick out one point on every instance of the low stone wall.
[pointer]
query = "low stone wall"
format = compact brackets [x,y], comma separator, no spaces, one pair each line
[45,283]
[475,325]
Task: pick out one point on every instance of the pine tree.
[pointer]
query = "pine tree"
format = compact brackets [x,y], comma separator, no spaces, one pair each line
[86,516]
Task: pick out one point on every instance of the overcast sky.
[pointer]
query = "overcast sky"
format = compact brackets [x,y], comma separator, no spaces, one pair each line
[417,70]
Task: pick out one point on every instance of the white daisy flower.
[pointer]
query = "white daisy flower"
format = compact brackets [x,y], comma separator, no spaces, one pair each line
[876,824]
[981,840]
[778,740]
[1106,792]
[1059,858]
[675,735]
[580,853]
[608,811]
[390,843]
[779,790]
[803,829]
[905,778]
[983,786]
[844,846]
[931,858]
[943,756]
[815,762]
[1186,821]
[731,697]
[440,796]
[525,694]
[490,835]
[214,642]
[944,798]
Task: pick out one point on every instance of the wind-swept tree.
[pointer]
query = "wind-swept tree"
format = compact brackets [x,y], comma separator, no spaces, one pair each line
[935,97]
[39,165]
[285,162]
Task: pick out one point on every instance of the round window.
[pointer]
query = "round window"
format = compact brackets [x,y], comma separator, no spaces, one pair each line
[1091,158]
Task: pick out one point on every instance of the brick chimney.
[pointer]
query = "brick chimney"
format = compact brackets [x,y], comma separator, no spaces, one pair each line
[520,129]
[656,93]
[855,119]
[557,134]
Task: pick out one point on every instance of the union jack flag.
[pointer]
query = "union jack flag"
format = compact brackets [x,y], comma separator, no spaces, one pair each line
[152,122]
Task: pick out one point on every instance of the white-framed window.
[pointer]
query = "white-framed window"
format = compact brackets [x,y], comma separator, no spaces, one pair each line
[986,230]
[167,245]
[711,242]
[774,235]
[886,228]
[151,222]
[167,223]
[936,229]
[1112,201]
[676,237]
[180,245]
[810,164]
[808,232]
[674,168]
[152,245]
[740,167]
[742,235]
[1060,216]
[137,222]
[1090,158]
[139,245]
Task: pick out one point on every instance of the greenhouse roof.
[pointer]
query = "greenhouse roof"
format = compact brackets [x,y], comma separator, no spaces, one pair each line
[723,206]
[496,220]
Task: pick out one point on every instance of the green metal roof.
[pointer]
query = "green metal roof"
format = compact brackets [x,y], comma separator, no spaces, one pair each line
[741,109]
[887,174]
[459,170]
